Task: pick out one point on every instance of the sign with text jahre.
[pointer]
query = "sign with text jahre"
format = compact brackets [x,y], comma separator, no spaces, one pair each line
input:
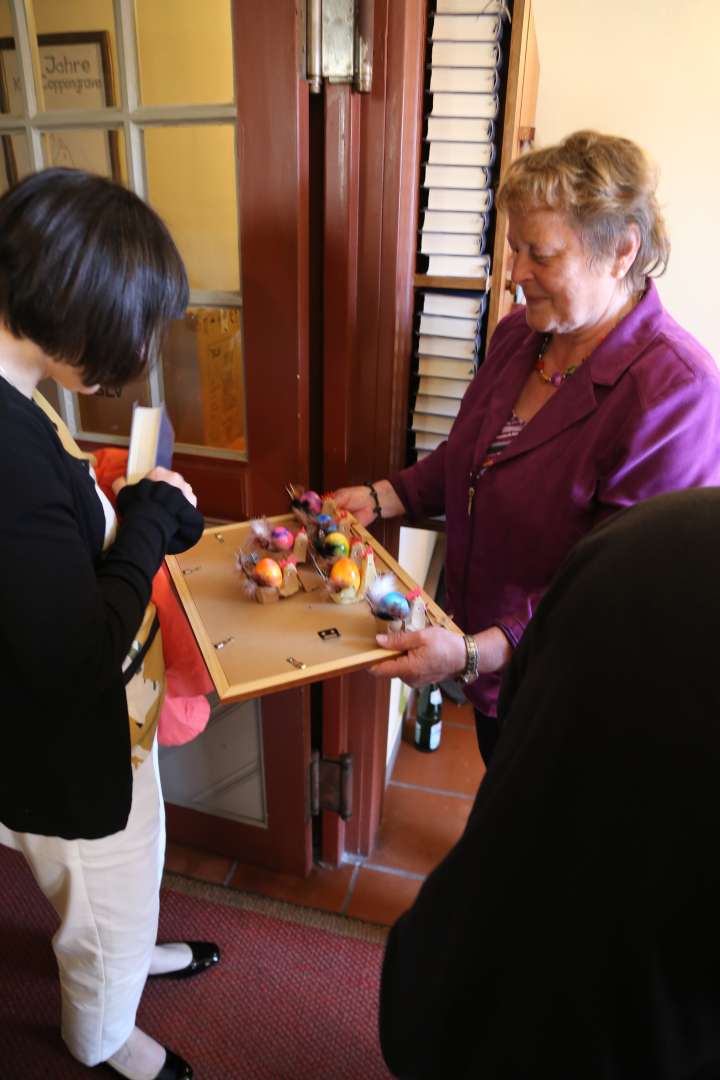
[76,74]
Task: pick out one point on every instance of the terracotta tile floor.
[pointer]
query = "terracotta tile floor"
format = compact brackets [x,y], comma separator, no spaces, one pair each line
[427,803]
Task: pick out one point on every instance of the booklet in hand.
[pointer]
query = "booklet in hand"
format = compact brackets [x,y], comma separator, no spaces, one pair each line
[151,441]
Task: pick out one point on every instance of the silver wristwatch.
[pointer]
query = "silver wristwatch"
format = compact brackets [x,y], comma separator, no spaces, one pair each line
[470,673]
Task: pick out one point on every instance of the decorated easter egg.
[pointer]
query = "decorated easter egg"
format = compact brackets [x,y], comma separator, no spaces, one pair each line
[393,605]
[281,538]
[311,502]
[325,522]
[345,574]
[267,572]
[336,543]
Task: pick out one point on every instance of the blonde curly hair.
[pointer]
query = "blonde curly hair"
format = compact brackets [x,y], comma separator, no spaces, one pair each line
[604,184]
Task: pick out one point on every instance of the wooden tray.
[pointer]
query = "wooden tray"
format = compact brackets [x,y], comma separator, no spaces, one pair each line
[253,649]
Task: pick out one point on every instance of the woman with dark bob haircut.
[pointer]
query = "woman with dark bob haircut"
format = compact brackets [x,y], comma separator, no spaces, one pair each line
[591,398]
[89,278]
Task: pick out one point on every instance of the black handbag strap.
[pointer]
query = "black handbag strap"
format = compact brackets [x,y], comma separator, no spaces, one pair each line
[136,663]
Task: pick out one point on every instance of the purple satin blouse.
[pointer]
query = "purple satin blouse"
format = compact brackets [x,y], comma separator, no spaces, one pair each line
[641,416]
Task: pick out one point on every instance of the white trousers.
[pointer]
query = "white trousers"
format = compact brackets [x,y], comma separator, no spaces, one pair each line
[106,893]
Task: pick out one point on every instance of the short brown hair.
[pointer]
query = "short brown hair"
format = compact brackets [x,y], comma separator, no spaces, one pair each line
[604,183]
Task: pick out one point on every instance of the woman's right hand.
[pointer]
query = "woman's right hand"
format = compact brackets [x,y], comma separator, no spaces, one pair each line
[168,477]
[359,501]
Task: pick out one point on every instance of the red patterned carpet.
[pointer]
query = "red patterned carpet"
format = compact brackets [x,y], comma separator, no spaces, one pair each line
[294,998]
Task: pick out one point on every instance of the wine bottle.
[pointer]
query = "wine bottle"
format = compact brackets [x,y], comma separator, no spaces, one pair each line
[428,724]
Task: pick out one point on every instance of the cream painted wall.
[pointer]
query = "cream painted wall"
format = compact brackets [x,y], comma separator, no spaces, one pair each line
[415,553]
[648,70]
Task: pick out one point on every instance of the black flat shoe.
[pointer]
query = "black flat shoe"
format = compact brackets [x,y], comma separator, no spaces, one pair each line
[174,1068]
[205,954]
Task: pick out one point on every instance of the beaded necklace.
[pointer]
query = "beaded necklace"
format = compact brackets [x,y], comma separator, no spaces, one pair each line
[559,377]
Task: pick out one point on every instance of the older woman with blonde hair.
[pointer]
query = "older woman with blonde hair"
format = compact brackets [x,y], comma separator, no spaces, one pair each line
[591,398]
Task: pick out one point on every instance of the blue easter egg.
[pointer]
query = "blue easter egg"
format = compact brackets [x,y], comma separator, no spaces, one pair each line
[393,605]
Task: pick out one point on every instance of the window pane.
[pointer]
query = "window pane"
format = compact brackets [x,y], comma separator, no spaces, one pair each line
[185,52]
[109,412]
[77,53]
[191,183]
[10,89]
[204,379]
[14,159]
[101,152]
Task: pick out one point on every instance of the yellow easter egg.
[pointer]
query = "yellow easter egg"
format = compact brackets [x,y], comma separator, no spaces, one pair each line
[336,543]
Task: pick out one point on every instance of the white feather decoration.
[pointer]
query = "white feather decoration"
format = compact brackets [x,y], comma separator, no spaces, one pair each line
[261,529]
[380,587]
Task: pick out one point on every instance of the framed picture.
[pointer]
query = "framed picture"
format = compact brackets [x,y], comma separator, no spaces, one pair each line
[253,649]
[77,74]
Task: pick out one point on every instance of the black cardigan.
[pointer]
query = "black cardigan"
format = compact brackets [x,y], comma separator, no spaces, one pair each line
[574,930]
[68,615]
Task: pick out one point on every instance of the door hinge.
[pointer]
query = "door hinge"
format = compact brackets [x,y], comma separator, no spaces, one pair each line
[339,43]
[331,784]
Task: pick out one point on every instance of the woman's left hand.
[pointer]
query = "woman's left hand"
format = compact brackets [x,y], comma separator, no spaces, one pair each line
[431,656]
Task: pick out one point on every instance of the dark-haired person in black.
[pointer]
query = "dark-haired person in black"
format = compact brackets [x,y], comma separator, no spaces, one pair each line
[89,278]
[574,930]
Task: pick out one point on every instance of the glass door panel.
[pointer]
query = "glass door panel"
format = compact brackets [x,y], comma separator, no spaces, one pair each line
[92,149]
[10,88]
[203,377]
[109,411]
[15,160]
[172,138]
[184,51]
[191,183]
[78,57]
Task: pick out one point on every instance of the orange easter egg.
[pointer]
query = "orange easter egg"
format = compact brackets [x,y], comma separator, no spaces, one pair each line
[345,574]
[267,572]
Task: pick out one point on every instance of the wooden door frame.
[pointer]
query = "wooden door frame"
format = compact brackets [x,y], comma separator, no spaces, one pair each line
[273,173]
[372,155]
[273,184]
[286,759]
